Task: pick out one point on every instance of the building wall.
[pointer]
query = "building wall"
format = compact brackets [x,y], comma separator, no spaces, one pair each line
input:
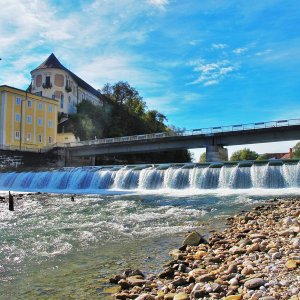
[27,121]
[62,88]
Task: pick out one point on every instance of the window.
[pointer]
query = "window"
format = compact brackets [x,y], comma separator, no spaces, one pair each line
[40,138]
[50,108]
[18,117]
[69,98]
[17,135]
[47,80]
[28,137]
[29,119]
[18,101]
[49,140]
[40,106]
[29,103]
[39,93]
[50,124]
[40,121]
[53,97]
[61,101]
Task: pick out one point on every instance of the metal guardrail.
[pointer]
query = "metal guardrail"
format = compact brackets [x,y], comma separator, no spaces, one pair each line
[202,131]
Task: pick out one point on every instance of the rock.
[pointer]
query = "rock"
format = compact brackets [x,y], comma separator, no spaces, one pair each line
[291,264]
[136,280]
[276,255]
[233,281]
[169,296]
[181,296]
[177,254]
[252,248]
[197,272]
[206,278]
[145,297]
[237,250]
[232,269]
[120,296]
[267,298]
[168,273]
[288,221]
[296,243]
[199,254]
[193,239]
[180,281]
[116,278]
[254,283]
[247,270]
[125,285]
[234,297]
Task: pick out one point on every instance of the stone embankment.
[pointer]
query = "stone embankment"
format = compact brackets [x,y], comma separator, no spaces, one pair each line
[256,257]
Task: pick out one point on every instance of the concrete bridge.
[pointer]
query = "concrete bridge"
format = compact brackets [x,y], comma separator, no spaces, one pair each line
[214,139]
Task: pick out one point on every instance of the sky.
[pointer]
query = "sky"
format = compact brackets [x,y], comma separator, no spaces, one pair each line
[201,63]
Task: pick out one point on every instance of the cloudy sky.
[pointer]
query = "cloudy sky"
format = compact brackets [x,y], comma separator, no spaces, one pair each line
[201,63]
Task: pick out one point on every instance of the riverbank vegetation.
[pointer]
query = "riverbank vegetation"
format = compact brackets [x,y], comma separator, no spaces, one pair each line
[123,113]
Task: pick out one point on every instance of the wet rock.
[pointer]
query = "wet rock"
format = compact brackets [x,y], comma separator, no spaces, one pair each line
[125,285]
[180,281]
[136,280]
[167,273]
[115,279]
[193,239]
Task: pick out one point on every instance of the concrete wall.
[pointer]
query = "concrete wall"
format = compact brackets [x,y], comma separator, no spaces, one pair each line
[14,160]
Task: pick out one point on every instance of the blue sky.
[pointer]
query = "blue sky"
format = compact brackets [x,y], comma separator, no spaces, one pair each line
[201,63]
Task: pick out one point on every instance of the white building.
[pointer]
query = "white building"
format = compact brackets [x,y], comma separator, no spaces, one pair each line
[51,79]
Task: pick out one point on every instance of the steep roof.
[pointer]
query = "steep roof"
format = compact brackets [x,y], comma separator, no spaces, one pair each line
[53,62]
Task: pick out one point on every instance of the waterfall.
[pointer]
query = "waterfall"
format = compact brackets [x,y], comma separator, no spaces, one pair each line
[155,177]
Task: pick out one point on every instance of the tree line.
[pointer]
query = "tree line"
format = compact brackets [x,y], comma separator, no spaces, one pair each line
[124,113]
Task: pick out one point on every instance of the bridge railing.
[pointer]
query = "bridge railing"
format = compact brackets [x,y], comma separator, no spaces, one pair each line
[201,131]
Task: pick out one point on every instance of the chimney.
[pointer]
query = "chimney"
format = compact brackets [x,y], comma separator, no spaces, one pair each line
[291,153]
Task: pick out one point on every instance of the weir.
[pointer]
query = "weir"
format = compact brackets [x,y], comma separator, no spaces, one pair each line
[244,175]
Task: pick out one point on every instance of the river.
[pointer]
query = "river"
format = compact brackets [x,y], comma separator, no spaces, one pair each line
[55,248]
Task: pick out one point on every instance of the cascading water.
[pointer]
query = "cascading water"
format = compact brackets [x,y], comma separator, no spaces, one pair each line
[145,177]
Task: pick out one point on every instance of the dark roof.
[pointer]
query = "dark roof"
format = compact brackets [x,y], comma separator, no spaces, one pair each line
[53,62]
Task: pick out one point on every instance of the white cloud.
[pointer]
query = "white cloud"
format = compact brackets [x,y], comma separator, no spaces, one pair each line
[240,50]
[159,3]
[212,73]
[219,46]
[262,53]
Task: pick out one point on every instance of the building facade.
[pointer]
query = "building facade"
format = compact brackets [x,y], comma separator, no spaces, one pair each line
[28,122]
[51,79]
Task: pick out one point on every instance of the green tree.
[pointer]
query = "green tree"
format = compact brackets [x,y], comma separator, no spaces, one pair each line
[264,156]
[244,154]
[296,151]
[202,157]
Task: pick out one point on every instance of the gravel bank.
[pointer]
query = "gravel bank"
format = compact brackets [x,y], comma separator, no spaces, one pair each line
[256,257]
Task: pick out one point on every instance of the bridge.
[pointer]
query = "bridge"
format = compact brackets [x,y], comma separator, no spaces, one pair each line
[214,139]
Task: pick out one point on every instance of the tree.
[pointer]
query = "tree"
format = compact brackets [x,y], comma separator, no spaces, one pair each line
[244,154]
[202,157]
[296,151]
[264,156]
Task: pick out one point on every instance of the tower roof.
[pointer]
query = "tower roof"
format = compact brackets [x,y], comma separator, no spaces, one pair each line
[53,63]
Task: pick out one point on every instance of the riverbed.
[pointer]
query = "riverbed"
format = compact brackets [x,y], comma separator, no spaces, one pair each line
[55,248]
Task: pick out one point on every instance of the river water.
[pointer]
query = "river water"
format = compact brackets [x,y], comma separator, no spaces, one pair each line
[55,248]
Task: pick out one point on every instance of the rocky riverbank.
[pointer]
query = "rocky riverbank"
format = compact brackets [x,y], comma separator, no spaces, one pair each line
[256,257]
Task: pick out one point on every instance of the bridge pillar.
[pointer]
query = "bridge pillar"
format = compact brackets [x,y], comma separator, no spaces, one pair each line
[216,153]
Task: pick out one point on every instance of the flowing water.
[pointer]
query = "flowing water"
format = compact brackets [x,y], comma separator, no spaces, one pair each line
[54,248]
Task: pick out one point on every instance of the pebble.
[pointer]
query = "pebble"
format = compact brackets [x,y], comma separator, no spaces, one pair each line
[256,258]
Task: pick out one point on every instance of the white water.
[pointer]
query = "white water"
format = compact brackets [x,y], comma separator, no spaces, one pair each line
[187,178]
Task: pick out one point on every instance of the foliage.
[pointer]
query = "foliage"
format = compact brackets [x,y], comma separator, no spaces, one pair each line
[296,150]
[264,156]
[202,157]
[124,113]
[244,154]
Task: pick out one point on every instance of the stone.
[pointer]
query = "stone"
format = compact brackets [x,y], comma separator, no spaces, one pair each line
[267,298]
[176,254]
[254,283]
[125,285]
[237,250]
[234,297]
[136,280]
[206,278]
[296,243]
[168,273]
[193,239]
[232,269]
[233,281]
[252,248]
[197,272]
[199,254]
[179,281]
[291,264]
[181,296]
[169,296]
[145,297]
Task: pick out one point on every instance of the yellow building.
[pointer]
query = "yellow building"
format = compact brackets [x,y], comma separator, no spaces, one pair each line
[28,122]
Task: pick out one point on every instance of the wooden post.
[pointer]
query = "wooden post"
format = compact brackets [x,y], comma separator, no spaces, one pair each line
[10,201]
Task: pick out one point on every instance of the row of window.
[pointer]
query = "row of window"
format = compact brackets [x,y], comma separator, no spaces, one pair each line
[29,120]
[29,104]
[29,137]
